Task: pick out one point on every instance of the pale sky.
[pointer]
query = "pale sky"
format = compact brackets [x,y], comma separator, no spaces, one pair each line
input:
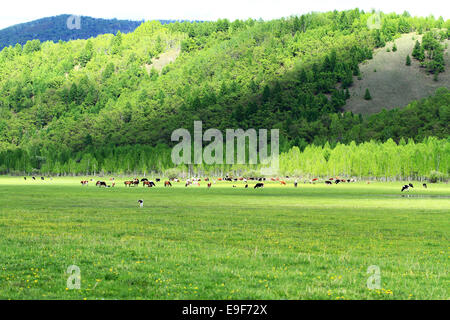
[18,11]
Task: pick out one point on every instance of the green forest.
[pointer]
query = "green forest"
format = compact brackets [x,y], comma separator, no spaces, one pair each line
[109,104]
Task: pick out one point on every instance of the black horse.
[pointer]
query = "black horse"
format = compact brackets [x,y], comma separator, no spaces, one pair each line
[101,184]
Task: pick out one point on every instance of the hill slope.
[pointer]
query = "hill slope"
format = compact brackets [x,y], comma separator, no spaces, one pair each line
[136,88]
[55,29]
[391,82]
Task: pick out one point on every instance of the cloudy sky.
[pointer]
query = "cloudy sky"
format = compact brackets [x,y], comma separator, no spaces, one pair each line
[18,11]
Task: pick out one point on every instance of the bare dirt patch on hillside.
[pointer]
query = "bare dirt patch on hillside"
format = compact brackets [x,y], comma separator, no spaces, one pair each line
[394,84]
[164,59]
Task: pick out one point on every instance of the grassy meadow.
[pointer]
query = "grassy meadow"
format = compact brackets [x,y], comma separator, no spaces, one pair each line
[280,242]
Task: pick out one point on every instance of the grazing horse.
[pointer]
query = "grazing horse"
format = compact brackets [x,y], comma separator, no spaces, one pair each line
[411,185]
[144,179]
[209,184]
[337,181]
[328,182]
[425,185]
[25,178]
[148,184]
[42,178]
[259,185]
[406,187]
[141,203]
[33,178]
[128,183]
[246,186]
[84,183]
[158,179]
[167,184]
[101,184]
[283,183]
[136,182]
[295,184]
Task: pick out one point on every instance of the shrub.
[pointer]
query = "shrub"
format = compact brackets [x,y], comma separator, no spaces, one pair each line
[436,176]
[172,173]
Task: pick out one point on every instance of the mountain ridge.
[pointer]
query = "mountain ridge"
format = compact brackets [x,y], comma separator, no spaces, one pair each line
[54,28]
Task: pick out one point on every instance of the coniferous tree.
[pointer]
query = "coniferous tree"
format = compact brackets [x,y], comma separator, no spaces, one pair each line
[347,94]
[416,50]
[367,95]
[408,60]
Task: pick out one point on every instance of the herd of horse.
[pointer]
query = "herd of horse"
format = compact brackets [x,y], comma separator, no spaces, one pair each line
[129,183]
[196,181]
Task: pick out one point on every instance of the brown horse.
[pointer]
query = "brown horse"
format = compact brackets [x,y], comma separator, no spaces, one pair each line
[148,184]
[128,183]
[167,184]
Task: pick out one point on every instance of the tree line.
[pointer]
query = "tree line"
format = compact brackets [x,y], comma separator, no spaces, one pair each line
[429,159]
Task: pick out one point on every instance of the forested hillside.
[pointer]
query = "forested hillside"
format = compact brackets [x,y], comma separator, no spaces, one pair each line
[367,159]
[60,102]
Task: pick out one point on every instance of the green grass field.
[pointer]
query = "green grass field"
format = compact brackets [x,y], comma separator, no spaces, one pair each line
[313,242]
